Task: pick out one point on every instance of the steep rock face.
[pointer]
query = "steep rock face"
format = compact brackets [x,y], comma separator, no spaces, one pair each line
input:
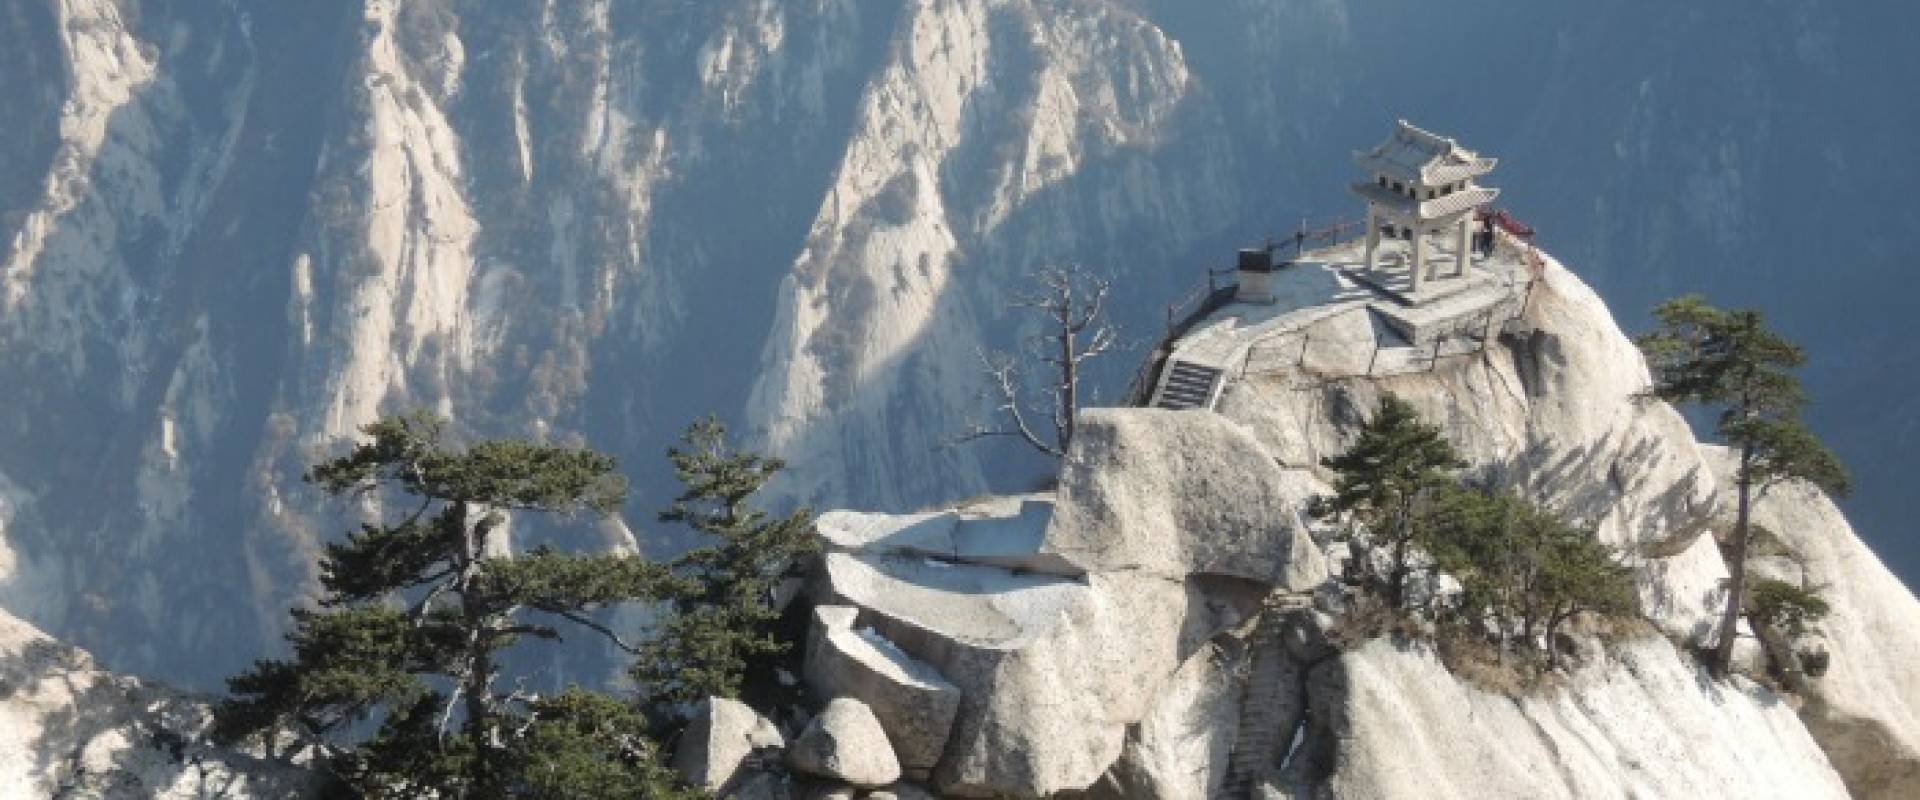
[1393,722]
[960,172]
[1058,674]
[233,232]
[1236,689]
[1863,709]
[69,729]
[1555,408]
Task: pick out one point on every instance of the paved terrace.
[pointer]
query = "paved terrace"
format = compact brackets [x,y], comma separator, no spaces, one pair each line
[1329,314]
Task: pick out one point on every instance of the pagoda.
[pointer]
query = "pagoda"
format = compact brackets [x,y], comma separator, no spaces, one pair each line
[1421,184]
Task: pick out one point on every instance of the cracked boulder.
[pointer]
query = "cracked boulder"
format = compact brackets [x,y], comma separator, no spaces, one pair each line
[914,703]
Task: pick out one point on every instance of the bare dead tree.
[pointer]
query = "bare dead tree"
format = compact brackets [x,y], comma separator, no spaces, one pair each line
[1071,302]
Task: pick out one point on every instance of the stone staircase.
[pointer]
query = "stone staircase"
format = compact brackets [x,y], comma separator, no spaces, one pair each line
[1269,711]
[1187,385]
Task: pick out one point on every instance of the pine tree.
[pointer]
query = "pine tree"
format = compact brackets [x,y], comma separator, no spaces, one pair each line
[1381,481]
[1524,565]
[1729,359]
[722,630]
[397,672]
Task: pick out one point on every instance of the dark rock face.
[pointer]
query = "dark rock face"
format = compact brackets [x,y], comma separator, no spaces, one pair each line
[235,232]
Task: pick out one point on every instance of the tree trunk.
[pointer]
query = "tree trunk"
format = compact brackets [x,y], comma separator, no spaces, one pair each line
[1069,382]
[1737,570]
[1553,632]
[1397,576]
[479,718]
[478,681]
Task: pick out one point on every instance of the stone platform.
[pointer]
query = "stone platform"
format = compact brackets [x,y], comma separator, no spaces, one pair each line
[1451,300]
[1474,305]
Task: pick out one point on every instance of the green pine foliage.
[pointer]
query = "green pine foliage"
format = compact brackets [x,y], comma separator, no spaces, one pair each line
[397,674]
[1524,572]
[581,745]
[1523,569]
[721,633]
[1731,361]
[1387,479]
[1783,606]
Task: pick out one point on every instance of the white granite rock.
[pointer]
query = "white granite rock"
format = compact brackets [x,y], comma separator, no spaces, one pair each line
[1181,749]
[846,743]
[1050,670]
[1556,409]
[1865,709]
[719,740]
[71,729]
[913,701]
[1176,494]
[1397,724]
[1002,532]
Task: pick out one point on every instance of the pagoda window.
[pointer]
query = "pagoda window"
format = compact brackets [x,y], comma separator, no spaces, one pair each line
[1383,181]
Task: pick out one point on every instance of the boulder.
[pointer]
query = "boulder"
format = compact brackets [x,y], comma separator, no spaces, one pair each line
[846,743]
[913,702]
[1176,494]
[1001,532]
[721,738]
[1051,671]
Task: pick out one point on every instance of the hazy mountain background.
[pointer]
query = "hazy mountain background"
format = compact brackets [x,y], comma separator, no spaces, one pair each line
[239,229]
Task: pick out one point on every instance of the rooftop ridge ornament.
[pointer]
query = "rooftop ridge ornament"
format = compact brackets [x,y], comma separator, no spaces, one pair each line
[1420,184]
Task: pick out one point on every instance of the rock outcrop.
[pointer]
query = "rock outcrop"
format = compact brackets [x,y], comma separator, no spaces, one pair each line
[1865,708]
[723,738]
[846,743]
[912,701]
[1092,650]
[69,729]
[1555,407]
[1164,624]
[1177,496]
[1392,722]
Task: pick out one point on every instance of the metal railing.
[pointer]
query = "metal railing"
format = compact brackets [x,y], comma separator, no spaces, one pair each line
[1288,350]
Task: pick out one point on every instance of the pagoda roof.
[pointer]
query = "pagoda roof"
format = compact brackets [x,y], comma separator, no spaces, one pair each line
[1422,157]
[1437,208]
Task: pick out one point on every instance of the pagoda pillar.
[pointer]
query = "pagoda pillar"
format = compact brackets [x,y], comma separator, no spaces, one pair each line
[1419,256]
[1466,244]
[1373,236]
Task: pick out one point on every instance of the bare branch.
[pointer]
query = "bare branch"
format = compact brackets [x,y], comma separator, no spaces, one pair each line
[1073,304]
[421,609]
[446,714]
[589,623]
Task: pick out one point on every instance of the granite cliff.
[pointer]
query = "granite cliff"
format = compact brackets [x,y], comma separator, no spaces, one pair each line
[1164,623]
[230,232]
